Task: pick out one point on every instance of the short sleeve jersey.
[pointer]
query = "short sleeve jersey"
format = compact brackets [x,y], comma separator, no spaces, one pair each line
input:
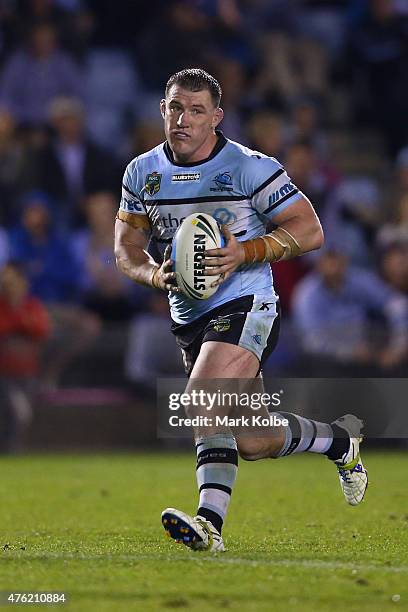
[239,187]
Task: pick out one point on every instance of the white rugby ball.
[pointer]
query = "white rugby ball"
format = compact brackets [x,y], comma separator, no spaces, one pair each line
[198,233]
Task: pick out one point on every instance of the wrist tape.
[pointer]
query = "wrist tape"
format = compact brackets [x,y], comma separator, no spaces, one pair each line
[276,246]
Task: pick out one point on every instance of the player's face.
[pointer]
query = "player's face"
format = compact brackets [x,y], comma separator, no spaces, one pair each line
[190,119]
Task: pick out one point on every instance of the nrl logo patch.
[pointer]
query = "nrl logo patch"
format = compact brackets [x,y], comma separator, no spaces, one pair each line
[153,181]
[221,325]
[186,177]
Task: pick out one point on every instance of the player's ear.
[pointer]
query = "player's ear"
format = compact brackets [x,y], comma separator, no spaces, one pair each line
[217,117]
[163,107]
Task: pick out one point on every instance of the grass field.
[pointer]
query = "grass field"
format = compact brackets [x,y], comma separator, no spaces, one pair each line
[90,526]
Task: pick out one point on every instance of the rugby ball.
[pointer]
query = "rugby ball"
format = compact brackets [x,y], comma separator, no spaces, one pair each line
[198,233]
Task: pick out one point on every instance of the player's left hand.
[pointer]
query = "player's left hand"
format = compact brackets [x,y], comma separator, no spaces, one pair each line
[165,278]
[226,260]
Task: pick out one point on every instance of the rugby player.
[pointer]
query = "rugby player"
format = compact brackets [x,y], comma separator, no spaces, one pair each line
[230,335]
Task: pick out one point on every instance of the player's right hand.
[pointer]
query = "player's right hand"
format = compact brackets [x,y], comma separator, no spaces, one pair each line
[164,278]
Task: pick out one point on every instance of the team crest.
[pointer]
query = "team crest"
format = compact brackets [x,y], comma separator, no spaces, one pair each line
[221,325]
[153,182]
[223,180]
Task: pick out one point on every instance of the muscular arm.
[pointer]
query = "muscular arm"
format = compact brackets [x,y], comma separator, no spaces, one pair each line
[301,221]
[134,261]
[131,255]
[298,232]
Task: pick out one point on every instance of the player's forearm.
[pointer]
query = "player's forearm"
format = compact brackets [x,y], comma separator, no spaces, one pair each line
[136,263]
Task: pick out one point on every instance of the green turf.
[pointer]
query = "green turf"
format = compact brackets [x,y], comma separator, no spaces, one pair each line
[90,526]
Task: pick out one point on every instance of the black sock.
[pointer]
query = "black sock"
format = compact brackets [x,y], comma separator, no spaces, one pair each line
[340,444]
[215,518]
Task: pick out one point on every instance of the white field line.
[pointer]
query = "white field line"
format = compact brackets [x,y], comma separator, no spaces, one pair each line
[220,559]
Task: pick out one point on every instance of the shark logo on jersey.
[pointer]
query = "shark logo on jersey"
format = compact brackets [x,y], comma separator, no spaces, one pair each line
[153,181]
[224,216]
[223,180]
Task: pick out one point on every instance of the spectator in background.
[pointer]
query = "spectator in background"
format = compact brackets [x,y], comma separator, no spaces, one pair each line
[73,22]
[12,159]
[113,94]
[397,230]
[37,73]
[4,247]
[144,135]
[311,175]
[231,73]
[47,259]
[291,67]
[152,351]
[266,133]
[183,27]
[353,215]
[332,310]
[24,327]
[70,166]
[394,265]
[44,252]
[401,167]
[104,290]
[286,276]
[303,126]
[379,61]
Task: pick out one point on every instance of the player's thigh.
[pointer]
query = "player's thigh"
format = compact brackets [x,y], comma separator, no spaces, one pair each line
[224,351]
[224,360]
[216,374]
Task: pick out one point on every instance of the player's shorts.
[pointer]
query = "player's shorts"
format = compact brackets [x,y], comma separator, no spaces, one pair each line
[251,321]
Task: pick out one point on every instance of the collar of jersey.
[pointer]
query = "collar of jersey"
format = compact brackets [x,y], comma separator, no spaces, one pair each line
[220,144]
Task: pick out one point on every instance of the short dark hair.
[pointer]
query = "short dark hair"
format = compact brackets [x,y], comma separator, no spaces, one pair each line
[196,79]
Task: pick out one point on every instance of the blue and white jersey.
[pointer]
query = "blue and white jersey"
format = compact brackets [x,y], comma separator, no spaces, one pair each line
[239,187]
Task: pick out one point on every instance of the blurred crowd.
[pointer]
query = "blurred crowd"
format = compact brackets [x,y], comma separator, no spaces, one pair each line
[322,86]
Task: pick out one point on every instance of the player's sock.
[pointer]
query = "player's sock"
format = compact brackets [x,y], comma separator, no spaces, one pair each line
[217,465]
[306,435]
